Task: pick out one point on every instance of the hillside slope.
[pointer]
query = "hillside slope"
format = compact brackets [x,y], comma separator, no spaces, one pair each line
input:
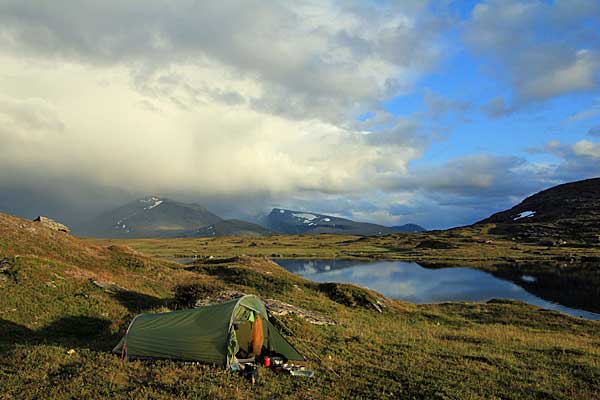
[149,217]
[229,227]
[568,213]
[65,303]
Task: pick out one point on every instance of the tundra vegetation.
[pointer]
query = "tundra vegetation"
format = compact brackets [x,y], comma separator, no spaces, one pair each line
[66,302]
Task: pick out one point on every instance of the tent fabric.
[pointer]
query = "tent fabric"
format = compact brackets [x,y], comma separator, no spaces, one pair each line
[258,336]
[200,334]
[277,343]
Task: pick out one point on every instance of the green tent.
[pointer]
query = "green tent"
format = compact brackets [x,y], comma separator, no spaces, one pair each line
[212,334]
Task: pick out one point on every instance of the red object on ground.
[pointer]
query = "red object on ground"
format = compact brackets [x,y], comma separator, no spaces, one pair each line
[267,361]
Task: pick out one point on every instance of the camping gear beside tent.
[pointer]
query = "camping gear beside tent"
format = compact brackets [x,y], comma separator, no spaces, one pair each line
[211,334]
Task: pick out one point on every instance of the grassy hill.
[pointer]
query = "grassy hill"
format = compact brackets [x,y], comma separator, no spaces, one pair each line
[567,213]
[60,294]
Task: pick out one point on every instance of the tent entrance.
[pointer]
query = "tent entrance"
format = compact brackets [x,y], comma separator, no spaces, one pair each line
[250,335]
[243,332]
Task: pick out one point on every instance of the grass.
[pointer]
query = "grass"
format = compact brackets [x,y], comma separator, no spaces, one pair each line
[468,246]
[566,274]
[52,302]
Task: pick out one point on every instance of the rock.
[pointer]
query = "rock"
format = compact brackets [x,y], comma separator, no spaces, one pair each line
[109,287]
[50,223]
[279,308]
[218,297]
[275,307]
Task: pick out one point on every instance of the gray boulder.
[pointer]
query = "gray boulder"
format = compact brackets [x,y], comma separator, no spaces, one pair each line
[50,223]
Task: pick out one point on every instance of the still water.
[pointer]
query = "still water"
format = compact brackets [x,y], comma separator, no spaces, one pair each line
[411,282]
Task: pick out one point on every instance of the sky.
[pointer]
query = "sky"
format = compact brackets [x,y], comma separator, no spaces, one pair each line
[437,113]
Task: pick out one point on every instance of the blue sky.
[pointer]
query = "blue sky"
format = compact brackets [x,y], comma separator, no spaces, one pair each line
[465,76]
[429,112]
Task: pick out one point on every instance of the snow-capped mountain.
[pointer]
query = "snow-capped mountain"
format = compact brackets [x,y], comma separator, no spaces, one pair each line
[151,216]
[299,222]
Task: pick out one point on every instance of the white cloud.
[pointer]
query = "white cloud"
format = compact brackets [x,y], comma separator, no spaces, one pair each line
[577,161]
[225,99]
[587,149]
[306,59]
[543,49]
[585,114]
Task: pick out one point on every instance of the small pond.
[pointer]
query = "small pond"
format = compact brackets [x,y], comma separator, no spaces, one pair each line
[414,283]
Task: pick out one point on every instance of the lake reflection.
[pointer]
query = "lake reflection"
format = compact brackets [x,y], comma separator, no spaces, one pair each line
[411,282]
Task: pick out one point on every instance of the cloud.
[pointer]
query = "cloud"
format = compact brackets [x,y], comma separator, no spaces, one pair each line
[543,49]
[497,107]
[579,160]
[231,100]
[481,175]
[24,121]
[438,106]
[250,104]
[585,114]
[302,59]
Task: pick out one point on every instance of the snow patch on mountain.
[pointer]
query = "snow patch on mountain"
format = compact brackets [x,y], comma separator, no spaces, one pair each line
[306,217]
[157,203]
[524,214]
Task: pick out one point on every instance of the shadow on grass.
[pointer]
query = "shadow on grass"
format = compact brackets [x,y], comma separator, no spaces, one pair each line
[76,331]
[73,332]
[137,302]
[79,332]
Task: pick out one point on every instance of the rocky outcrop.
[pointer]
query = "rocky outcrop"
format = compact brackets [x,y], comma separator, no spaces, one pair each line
[279,309]
[276,308]
[50,223]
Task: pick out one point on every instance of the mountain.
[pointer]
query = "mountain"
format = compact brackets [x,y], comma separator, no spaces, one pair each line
[149,217]
[301,222]
[564,213]
[410,228]
[230,227]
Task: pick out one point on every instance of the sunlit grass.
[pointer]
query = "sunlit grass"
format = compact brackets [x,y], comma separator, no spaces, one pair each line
[50,304]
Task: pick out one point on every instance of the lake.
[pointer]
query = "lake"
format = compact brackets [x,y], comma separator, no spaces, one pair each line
[412,282]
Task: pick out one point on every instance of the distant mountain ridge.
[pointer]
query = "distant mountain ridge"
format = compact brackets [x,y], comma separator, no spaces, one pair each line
[303,222]
[565,213]
[410,228]
[155,216]
[152,216]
